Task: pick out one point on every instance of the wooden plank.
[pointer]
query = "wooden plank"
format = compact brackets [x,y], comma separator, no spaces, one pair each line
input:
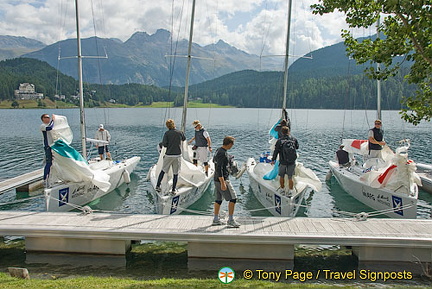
[22,180]
[198,228]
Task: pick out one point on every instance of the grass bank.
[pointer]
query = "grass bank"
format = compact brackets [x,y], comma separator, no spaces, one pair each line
[164,265]
[47,103]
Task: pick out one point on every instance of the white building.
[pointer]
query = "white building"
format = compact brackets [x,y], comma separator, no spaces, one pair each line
[27,91]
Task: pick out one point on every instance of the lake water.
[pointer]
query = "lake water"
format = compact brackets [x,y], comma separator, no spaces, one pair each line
[137,131]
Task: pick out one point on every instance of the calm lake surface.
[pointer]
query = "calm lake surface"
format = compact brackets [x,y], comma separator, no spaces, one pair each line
[137,131]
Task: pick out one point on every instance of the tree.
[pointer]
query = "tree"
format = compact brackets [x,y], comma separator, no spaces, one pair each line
[15,104]
[406,27]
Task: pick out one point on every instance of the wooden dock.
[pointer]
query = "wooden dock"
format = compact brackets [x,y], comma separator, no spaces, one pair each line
[259,238]
[21,181]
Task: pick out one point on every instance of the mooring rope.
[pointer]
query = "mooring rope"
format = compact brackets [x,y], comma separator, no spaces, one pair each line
[363,215]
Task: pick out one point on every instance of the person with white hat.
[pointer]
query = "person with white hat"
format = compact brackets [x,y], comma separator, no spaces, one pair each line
[202,145]
[103,135]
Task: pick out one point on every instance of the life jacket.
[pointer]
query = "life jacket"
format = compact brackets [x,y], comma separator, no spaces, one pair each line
[342,156]
[200,140]
[378,136]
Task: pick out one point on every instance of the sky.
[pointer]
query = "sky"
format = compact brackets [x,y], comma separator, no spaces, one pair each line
[254,26]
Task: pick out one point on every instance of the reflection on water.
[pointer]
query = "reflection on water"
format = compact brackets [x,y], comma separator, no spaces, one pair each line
[137,131]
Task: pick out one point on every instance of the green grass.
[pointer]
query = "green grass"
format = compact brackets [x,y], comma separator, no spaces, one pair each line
[164,265]
[191,104]
[4,104]
[166,283]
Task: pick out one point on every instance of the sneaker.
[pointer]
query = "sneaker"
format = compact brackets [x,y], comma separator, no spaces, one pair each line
[233,224]
[289,193]
[280,190]
[217,223]
[158,189]
[174,192]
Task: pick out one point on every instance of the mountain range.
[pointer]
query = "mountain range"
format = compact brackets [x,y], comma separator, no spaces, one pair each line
[148,59]
[13,46]
[327,78]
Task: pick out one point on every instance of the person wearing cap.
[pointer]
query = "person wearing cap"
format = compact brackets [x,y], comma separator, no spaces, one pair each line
[342,157]
[376,140]
[103,135]
[202,145]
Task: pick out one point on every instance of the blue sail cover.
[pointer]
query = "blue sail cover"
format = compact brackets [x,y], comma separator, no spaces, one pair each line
[273,131]
[273,173]
[70,166]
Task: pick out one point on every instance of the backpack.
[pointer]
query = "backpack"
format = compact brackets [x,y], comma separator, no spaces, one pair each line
[288,151]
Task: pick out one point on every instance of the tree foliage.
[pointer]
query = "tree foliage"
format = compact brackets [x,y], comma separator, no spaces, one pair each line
[407,30]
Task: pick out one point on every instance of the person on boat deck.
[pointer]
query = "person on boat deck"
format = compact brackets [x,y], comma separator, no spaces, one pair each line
[279,127]
[172,140]
[376,140]
[286,148]
[46,127]
[104,135]
[223,186]
[342,157]
[202,145]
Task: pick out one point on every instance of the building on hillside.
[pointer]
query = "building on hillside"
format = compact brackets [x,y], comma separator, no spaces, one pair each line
[27,91]
[60,97]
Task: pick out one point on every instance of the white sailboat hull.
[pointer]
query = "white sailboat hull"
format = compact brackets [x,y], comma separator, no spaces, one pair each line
[265,191]
[66,196]
[189,189]
[425,173]
[396,205]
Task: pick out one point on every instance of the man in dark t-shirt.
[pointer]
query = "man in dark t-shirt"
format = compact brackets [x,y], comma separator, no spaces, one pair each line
[223,187]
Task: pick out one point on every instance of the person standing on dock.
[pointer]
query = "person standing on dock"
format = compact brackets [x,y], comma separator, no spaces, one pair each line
[223,187]
[202,145]
[172,140]
[46,127]
[103,135]
[376,140]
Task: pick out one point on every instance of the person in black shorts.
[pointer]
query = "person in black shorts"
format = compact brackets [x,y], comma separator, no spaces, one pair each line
[286,147]
[223,187]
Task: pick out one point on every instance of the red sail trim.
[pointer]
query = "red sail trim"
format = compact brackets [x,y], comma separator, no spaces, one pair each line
[357,143]
[383,176]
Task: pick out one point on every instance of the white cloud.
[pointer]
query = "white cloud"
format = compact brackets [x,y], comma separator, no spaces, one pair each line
[250,25]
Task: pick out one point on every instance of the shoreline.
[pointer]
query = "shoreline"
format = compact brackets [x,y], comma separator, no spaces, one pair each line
[48,104]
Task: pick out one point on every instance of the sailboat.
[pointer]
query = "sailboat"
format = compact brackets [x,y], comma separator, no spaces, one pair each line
[425,173]
[74,182]
[192,180]
[388,185]
[266,190]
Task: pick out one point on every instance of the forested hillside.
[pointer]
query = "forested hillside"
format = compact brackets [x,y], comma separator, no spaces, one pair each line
[49,82]
[264,89]
[246,88]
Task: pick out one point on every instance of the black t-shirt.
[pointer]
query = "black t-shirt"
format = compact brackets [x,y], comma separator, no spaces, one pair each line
[220,160]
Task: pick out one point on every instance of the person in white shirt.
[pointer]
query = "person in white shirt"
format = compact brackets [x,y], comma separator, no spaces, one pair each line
[103,135]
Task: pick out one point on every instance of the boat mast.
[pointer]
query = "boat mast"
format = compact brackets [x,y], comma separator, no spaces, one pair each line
[185,101]
[285,85]
[378,67]
[80,81]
